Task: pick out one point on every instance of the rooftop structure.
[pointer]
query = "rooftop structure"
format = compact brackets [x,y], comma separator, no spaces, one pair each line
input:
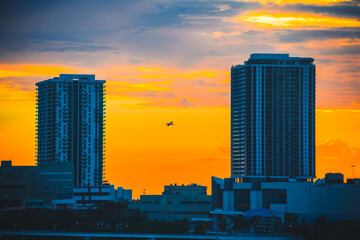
[191,189]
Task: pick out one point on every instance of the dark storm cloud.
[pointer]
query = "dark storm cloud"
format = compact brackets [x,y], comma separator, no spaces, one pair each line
[325,61]
[142,31]
[186,103]
[342,9]
[348,88]
[292,36]
[25,22]
[61,46]
[89,21]
[353,69]
[157,94]
[344,50]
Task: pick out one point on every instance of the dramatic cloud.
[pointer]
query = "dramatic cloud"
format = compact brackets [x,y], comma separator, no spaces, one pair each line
[344,50]
[292,36]
[343,9]
[156,29]
[295,20]
[337,155]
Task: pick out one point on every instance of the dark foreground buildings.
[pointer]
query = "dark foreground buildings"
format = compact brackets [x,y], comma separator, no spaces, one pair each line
[70,150]
[177,202]
[273,117]
[35,186]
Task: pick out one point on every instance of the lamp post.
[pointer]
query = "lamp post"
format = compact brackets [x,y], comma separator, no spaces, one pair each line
[353,167]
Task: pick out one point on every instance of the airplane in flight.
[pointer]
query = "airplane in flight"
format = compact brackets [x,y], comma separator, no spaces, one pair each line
[169,124]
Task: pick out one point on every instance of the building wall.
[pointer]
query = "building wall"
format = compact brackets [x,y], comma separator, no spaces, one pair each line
[192,189]
[21,184]
[175,207]
[273,117]
[177,202]
[90,196]
[128,194]
[52,180]
[298,199]
[217,189]
[124,194]
[308,201]
[14,185]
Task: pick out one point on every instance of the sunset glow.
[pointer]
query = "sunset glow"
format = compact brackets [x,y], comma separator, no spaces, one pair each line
[291,20]
[172,63]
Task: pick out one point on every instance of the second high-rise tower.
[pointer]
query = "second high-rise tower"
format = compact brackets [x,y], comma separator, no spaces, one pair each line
[273,117]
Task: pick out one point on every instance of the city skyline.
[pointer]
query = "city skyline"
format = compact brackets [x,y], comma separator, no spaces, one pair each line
[170,61]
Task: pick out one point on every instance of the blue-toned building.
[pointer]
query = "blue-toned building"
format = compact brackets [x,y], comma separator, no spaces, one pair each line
[273,118]
[70,125]
[24,187]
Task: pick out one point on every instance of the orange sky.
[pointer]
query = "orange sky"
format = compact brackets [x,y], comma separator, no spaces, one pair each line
[180,71]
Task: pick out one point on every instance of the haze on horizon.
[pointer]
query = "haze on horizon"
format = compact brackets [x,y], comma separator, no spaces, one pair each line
[170,61]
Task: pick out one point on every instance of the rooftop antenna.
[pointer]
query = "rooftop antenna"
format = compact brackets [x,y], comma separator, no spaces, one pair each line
[144,192]
[353,167]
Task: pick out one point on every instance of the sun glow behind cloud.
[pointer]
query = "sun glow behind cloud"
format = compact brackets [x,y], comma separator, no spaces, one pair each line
[282,2]
[17,70]
[296,20]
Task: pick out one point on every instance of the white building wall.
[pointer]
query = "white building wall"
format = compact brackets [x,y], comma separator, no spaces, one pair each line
[308,200]
[128,194]
[337,201]
[228,200]
[255,199]
[259,122]
[175,207]
[297,194]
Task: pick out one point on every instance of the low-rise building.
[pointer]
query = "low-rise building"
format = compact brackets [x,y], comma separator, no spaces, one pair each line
[34,186]
[177,202]
[191,189]
[291,201]
[50,185]
[123,194]
[92,196]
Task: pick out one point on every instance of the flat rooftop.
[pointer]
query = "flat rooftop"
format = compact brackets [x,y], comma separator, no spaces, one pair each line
[275,56]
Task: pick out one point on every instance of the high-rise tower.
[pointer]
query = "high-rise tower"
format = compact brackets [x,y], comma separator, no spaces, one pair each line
[70,125]
[273,117]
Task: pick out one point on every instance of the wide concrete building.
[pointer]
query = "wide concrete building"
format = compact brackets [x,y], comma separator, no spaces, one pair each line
[177,202]
[35,186]
[93,196]
[292,201]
